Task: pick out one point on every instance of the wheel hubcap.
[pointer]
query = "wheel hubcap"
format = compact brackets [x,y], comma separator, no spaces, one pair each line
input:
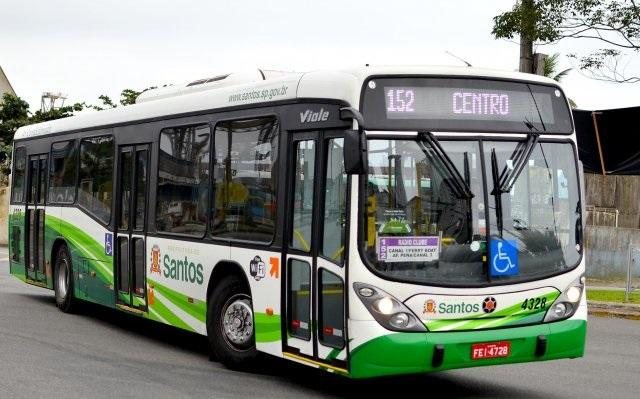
[63,280]
[237,321]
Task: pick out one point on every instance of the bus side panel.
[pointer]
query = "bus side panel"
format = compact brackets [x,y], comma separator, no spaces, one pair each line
[92,266]
[16,236]
[178,274]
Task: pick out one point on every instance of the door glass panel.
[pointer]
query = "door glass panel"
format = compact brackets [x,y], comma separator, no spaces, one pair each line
[138,253]
[125,189]
[42,180]
[123,260]
[303,195]
[33,184]
[299,299]
[141,189]
[331,310]
[335,200]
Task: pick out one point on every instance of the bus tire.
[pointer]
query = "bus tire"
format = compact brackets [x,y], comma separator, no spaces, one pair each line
[230,324]
[63,280]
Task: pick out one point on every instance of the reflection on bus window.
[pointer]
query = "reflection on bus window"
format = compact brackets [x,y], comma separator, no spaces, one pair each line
[96,176]
[183,180]
[245,179]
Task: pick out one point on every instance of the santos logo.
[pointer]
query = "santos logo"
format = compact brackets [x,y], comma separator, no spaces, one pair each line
[310,116]
[182,270]
[450,308]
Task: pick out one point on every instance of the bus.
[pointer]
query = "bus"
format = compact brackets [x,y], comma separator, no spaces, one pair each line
[368,222]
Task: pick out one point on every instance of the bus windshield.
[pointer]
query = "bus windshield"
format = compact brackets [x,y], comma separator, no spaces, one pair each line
[419,229]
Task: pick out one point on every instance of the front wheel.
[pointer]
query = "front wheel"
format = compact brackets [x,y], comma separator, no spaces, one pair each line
[230,324]
[63,281]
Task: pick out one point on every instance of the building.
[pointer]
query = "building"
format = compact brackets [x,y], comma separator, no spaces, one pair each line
[5,86]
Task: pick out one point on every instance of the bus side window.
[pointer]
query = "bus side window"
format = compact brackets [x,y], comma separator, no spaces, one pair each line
[183,180]
[62,173]
[19,166]
[95,187]
[244,179]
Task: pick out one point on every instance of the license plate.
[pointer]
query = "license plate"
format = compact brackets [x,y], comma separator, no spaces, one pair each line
[490,350]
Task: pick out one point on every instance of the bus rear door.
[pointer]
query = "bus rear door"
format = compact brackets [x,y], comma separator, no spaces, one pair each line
[131,198]
[34,219]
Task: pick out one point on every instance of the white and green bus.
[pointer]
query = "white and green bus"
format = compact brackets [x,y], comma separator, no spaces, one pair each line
[368,222]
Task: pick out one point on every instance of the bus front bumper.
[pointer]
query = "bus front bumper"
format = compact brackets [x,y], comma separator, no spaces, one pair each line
[410,353]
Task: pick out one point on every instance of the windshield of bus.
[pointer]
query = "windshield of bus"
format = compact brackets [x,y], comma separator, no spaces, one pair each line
[418,228]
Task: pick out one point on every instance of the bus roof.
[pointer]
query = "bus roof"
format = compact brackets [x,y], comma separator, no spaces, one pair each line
[264,87]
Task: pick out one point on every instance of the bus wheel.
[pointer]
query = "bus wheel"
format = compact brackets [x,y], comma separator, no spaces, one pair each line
[63,280]
[230,325]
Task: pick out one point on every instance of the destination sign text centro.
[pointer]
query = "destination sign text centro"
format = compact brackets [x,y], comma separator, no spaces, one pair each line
[469,102]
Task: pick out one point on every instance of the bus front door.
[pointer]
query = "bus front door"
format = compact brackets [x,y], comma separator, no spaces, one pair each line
[131,198]
[314,280]
[34,220]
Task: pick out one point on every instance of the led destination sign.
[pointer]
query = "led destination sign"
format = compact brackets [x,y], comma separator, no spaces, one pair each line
[445,102]
[464,104]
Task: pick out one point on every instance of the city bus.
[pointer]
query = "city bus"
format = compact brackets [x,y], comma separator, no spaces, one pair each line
[368,222]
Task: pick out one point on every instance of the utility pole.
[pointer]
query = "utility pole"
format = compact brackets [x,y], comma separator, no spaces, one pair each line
[527,27]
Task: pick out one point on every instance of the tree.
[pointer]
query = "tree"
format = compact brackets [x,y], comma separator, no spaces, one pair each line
[615,23]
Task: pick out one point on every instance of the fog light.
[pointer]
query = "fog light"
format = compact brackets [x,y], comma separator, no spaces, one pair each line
[559,310]
[399,320]
[573,294]
[385,305]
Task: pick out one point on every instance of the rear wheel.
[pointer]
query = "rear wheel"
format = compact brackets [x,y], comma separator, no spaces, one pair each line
[63,280]
[230,325]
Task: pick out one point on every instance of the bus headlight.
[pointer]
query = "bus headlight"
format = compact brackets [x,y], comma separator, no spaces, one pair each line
[387,310]
[567,303]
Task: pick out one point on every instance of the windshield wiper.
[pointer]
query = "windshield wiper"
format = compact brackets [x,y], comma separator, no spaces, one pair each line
[504,183]
[458,185]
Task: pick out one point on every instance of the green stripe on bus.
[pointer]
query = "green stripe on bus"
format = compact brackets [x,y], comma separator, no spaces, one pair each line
[267,327]
[85,244]
[169,316]
[197,308]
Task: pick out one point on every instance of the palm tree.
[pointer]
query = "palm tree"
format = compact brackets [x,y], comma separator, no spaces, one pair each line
[550,67]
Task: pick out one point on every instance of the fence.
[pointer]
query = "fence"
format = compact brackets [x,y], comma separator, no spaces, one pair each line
[609,253]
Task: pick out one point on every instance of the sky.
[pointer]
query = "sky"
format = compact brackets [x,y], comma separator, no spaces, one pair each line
[87,48]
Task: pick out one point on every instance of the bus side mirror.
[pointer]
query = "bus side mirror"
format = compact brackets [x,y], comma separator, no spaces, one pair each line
[355,143]
[355,152]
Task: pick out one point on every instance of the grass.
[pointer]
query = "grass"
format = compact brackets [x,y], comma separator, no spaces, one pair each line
[612,296]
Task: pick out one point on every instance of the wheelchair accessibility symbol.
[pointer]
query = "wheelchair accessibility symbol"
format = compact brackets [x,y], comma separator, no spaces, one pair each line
[504,257]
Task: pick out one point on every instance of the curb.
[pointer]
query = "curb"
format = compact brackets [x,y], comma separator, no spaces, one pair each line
[614,309]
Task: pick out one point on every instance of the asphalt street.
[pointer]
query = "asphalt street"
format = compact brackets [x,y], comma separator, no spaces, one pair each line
[101,353]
